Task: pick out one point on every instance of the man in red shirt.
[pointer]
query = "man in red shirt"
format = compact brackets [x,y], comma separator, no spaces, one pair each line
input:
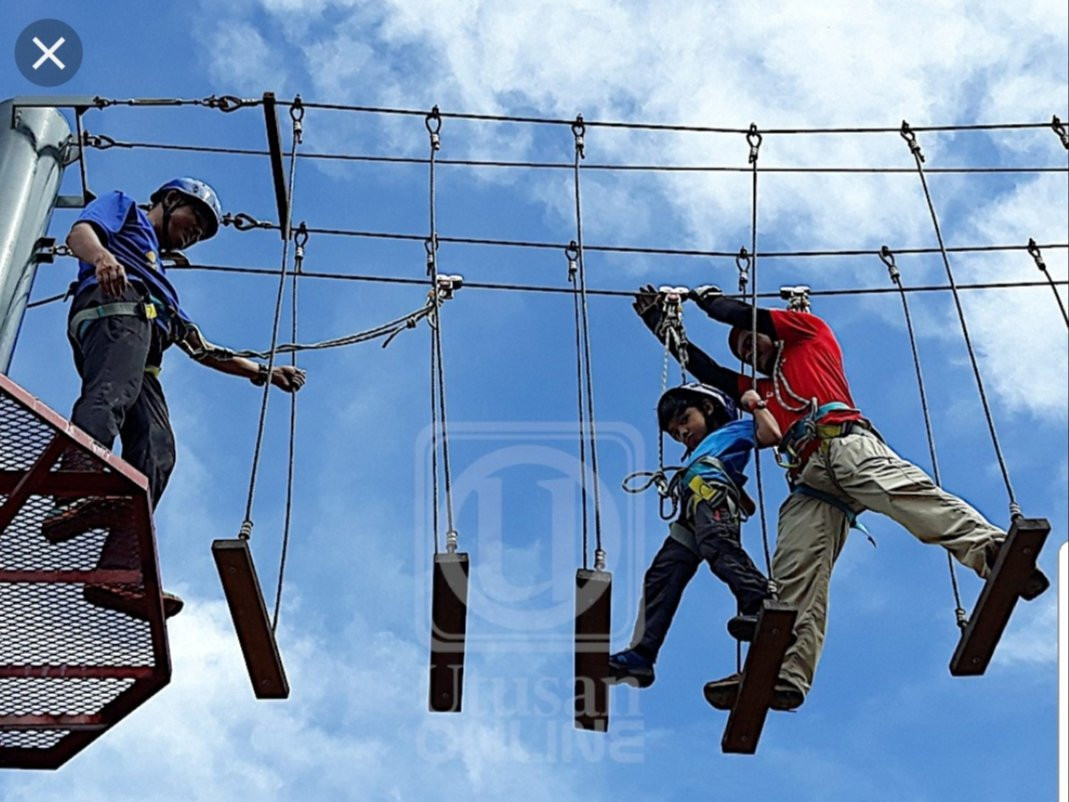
[838,466]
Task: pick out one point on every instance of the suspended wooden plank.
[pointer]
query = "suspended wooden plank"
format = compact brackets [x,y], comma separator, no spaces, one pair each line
[449,622]
[233,559]
[1015,563]
[775,623]
[278,172]
[62,683]
[593,617]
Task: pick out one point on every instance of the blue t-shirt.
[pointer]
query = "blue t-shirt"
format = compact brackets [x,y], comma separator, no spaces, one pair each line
[126,231]
[731,444]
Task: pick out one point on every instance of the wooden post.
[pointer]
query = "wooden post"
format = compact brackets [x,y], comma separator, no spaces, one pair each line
[593,615]
[449,616]
[233,559]
[1015,563]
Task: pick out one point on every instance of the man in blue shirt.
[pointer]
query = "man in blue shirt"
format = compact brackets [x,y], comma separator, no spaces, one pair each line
[125,314]
[713,503]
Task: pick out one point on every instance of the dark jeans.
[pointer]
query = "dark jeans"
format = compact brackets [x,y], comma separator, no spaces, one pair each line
[119,399]
[717,535]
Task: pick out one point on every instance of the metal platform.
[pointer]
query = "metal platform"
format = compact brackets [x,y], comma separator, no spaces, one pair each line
[68,670]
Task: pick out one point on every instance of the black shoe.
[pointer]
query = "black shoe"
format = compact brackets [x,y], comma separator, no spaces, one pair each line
[72,517]
[1035,585]
[129,599]
[743,627]
[786,697]
[631,668]
[722,693]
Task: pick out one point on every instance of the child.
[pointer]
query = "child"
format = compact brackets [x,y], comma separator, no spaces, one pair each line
[718,444]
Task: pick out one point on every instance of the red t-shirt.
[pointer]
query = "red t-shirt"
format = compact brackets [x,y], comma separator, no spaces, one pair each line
[812,364]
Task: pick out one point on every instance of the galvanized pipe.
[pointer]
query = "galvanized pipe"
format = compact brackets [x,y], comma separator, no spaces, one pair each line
[35,146]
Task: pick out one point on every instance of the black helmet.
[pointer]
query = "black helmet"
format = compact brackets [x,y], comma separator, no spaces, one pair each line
[692,394]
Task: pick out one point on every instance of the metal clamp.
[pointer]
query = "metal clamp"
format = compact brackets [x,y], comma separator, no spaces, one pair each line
[888,259]
[300,239]
[447,285]
[572,254]
[227,103]
[579,132]
[742,262]
[100,141]
[911,140]
[797,297]
[433,121]
[753,139]
[244,222]
[1033,251]
[1060,130]
[297,115]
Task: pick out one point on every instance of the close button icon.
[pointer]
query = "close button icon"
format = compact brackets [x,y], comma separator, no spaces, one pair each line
[48,52]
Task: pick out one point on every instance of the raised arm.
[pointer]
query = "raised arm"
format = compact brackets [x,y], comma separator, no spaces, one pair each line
[703,367]
[731,311]
[768,431]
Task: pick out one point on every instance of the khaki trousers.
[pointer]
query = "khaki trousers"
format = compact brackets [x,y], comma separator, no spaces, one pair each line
[865,474]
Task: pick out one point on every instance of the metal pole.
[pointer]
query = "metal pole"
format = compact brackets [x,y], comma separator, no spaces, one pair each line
[35,145]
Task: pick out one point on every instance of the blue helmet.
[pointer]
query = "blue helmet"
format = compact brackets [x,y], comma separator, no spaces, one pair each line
[676,399]
[197,190]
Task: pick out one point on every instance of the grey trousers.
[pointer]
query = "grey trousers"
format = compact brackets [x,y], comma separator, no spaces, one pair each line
[863,472]
[119,399]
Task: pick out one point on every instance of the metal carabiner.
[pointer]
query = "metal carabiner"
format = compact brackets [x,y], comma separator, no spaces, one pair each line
[433,121]
[754,139]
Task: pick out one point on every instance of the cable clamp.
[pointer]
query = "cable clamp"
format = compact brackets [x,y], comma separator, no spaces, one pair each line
[579,132]
[571,252]
[45,250]
[227,103]
[911,140]
[244,222]
[451,541]
[245,532]
[1059,129]
[447,285]
[1033,251]
[297,115]
[431,246]
[888,259]
[754,139]
[99,141]
[433,121]
[300,239]
[742,262]
[797,297]
[599,559]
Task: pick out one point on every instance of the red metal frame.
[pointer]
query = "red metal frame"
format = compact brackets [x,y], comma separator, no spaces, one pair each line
[19,536]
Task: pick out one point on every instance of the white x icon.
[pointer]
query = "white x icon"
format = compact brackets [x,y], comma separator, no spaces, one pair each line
[49,53]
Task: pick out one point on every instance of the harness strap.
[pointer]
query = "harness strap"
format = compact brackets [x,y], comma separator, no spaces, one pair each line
[146,310]
[837,503]
[807,433]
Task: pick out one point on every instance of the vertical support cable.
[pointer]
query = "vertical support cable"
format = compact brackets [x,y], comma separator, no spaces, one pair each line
[578,131]
[754,139]
[888,259]
[297,115]
[300,239]
[433,122]
[911,140]
[572,254]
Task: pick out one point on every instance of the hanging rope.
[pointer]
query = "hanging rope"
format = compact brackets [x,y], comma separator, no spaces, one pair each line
[1034,252]
[753,139]
[572,254]
[888,259]
[296,115]
[433,122]
[911,140]
[300,239]
[578,131]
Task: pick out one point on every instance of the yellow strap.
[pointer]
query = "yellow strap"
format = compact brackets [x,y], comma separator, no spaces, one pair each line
[153,370]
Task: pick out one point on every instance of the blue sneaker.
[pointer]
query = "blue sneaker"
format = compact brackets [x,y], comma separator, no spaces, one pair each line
[631,668]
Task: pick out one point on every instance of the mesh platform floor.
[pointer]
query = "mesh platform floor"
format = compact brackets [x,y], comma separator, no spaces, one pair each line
[69,669]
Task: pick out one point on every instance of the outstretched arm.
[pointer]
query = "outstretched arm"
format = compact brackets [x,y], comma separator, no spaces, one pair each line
[285,377]
[702,366]
[732,311]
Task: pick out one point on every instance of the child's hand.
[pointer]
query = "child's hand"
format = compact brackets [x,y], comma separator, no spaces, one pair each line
[750,400]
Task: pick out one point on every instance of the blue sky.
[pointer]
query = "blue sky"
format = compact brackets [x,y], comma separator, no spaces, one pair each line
[885,720]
